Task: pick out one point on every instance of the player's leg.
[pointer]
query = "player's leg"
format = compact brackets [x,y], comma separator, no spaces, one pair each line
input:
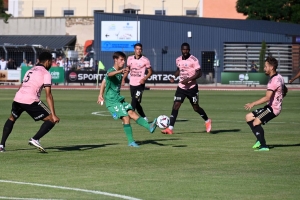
[178,100]
[250,119]
[193,96]
[39,111]
[16,112]
[140,120]
[128,131]
[136,99]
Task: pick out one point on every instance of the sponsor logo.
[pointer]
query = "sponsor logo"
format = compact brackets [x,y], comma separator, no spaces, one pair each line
[73,76]
[16,116]
[40,116]
[55,75]
[115,115]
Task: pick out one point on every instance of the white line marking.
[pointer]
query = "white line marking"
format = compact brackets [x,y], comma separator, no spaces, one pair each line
[100,113]
[74,189]
[17,198]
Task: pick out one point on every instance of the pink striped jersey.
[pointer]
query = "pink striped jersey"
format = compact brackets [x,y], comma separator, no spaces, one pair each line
[187,69]
[137,69]
[33,82]
[276,84]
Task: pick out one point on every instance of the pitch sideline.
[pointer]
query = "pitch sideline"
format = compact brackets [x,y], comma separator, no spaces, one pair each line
[74,189]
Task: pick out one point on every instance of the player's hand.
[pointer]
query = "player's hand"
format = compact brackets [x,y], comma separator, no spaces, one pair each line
[172,79]
[123,83]
[185,81]
[290,81]
[100,100]
[248,106]
[55,119]
[142,81]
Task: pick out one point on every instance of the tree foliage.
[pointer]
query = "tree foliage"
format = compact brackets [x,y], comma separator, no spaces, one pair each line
[3,14]
[271,10]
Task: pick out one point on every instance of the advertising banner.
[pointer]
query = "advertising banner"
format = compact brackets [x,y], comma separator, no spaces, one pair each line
[243,78]
[10,75]
[57,73]
[119,35]
[91,77]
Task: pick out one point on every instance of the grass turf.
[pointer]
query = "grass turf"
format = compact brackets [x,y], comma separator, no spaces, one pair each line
[90,152]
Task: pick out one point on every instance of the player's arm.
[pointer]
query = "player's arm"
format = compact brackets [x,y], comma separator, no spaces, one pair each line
[294,78]
[143,80]
[50,103]
[125,75]
[121,71]
[176,74]
[262,100]
[198,73]
[102,88]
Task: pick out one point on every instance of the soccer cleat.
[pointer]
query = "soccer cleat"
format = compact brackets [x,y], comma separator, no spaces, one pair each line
[153,126]
[262,149]
[256,145]
[167,131]
[37,144]
[2,149]
[133,144]
[208,125]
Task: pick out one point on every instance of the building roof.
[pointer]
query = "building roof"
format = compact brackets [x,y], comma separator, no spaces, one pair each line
[46,41]
[288,29]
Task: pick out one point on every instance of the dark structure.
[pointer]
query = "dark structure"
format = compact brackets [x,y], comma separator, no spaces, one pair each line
[209,39]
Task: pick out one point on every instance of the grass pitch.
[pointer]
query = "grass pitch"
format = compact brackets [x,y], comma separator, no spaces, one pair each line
[88,152]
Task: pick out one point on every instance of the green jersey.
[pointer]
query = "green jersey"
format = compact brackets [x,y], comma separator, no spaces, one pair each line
[112,88]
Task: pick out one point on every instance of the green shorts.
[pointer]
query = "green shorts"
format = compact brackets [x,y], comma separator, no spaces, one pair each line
[119,109]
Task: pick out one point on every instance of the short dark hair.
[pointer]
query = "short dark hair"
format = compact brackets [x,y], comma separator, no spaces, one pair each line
[45,56]
[272,61]
[118,54]
[138,45]
[185,44]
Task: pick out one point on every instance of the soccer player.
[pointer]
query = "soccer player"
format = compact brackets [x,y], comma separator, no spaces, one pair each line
[27,99]
[137,64]
[188,70]
[116,104]
[276,90]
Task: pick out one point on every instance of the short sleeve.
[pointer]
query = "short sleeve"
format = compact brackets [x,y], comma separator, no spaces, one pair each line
[147,63]
[197,65]
[47,80]
[273,84]
[128,61]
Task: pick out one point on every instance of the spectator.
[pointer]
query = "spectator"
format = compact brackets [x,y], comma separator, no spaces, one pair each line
[3,64]
[11,64]
[67,64]
[54,63]
[60,62]
[254,67]
[30,64]
[24,63]
[96,67]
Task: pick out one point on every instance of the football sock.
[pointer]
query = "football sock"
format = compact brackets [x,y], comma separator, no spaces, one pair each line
[171,127]
[8,126]
[250,123]
[173,117]
[202,113]
[128,131]
[45,128]
[142,122]
[260,134]
[140,110]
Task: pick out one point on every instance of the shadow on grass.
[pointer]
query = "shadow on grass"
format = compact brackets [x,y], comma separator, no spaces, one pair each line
[225,131]
[212,132]
[271,146]
[155,141]
[82,147]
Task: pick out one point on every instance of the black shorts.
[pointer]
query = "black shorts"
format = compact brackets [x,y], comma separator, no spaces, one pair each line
[137,92]
[265,114]
[192,94]
[37,110]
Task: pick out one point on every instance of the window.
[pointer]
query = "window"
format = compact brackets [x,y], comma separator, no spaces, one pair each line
[68,13]
[39,13]
[191,12]
[129,11]
[159,12]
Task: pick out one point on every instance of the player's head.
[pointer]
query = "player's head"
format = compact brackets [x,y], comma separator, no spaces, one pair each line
[45,58]
[138,48]
[119,59]
[185,49]
[270,65]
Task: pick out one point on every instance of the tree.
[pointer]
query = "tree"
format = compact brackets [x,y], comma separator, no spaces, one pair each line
[262,56]
[271,10]
[3,14]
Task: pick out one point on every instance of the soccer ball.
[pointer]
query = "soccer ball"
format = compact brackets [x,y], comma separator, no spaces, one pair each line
[163,121]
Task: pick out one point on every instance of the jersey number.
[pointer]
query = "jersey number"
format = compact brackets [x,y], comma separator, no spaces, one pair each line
[27,77]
